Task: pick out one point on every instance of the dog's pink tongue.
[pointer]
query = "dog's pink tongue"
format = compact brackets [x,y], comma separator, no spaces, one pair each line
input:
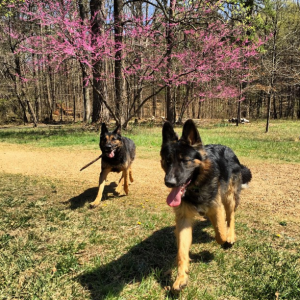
[111,154]
[174,198]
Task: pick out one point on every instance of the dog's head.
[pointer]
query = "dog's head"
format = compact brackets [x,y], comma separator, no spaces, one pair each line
[110,141]
[180,159]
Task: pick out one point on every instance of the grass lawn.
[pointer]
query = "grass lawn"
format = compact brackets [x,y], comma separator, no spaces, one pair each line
[52,248]
[282,143]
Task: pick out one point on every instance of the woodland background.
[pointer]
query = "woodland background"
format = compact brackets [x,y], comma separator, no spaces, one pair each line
[101,60]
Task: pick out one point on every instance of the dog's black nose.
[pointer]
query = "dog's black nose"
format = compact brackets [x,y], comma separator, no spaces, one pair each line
[170,181]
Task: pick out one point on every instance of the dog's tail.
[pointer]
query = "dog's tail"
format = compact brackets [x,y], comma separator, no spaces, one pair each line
[246,176]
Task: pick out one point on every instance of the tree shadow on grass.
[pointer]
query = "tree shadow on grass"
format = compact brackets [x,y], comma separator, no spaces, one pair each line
[154,256]
[90,194]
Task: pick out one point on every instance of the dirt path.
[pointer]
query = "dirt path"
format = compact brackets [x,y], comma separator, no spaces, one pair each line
[274,192]
[66,164]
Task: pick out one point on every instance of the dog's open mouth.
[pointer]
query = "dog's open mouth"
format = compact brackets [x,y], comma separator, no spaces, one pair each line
[110,154]
[174,198]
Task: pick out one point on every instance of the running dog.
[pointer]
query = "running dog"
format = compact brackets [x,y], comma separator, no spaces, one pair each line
[203,180]
[118,153]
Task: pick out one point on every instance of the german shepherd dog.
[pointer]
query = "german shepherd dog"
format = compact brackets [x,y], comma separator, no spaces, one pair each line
[203,180]
[118,153]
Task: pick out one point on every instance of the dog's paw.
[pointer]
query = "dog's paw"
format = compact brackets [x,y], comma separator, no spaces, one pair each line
[119,189]
[180,283]
[94,204]
[231,238]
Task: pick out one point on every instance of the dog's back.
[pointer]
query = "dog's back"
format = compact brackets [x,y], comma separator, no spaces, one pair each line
[129,148]
[228,171]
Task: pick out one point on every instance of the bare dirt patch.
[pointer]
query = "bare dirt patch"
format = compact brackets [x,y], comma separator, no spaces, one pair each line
[272,201]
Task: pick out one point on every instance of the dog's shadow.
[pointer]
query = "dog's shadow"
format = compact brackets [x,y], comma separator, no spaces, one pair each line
[90,194]
[154,256]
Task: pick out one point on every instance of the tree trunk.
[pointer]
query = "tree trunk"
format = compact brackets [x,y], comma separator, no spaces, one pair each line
[272,78]
[52,87]
[100,112]
[119,81]
[199,109]
[83,11]
[185,104]
[31,110]
[153,101]
[275,117]
[48,83]
[21,93]
[86,95]
[170,42]
[37,95]
[268,111]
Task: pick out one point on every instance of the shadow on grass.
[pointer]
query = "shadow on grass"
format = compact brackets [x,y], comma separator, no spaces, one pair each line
[153,257]
[90,194]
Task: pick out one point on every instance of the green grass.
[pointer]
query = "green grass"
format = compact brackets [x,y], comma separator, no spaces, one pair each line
[52,246]
[282,143]
[62,136]
[51,249]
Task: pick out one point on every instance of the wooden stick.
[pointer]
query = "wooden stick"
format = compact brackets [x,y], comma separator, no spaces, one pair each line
[91,162]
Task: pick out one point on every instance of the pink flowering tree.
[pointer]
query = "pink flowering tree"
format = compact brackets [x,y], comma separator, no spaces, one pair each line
[178,46]
[191,47]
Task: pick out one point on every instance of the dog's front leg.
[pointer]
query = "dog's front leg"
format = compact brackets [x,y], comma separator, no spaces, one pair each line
[102,178]
[120,184]
[130,174]
[126,177]
[217,217]
[184,240]
[230,220]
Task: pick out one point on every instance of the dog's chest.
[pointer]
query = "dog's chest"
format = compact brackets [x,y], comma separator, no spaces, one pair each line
[116,164]
[202,197]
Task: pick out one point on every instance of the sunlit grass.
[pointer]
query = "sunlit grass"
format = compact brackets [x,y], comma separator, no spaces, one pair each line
[53,250]
[53,246]
[282,143]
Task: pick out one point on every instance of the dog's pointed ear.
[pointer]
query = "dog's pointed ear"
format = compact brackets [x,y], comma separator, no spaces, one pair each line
[118,130]
[168,133]
[190,134]
[104,129]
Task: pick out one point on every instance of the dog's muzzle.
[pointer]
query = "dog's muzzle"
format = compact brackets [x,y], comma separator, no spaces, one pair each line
[109,151]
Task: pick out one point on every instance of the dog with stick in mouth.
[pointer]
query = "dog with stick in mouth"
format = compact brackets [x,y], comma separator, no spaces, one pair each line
[118,153]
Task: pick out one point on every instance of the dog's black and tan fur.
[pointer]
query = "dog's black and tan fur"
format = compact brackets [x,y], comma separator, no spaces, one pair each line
[204,179]
[118,153]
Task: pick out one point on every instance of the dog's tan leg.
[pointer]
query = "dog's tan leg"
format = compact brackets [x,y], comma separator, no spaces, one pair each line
[130,174]
[126,175]
[102,178]
[231,237]
[229,202]
[229,205]
[217,217]
[120,184]
[184,222]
